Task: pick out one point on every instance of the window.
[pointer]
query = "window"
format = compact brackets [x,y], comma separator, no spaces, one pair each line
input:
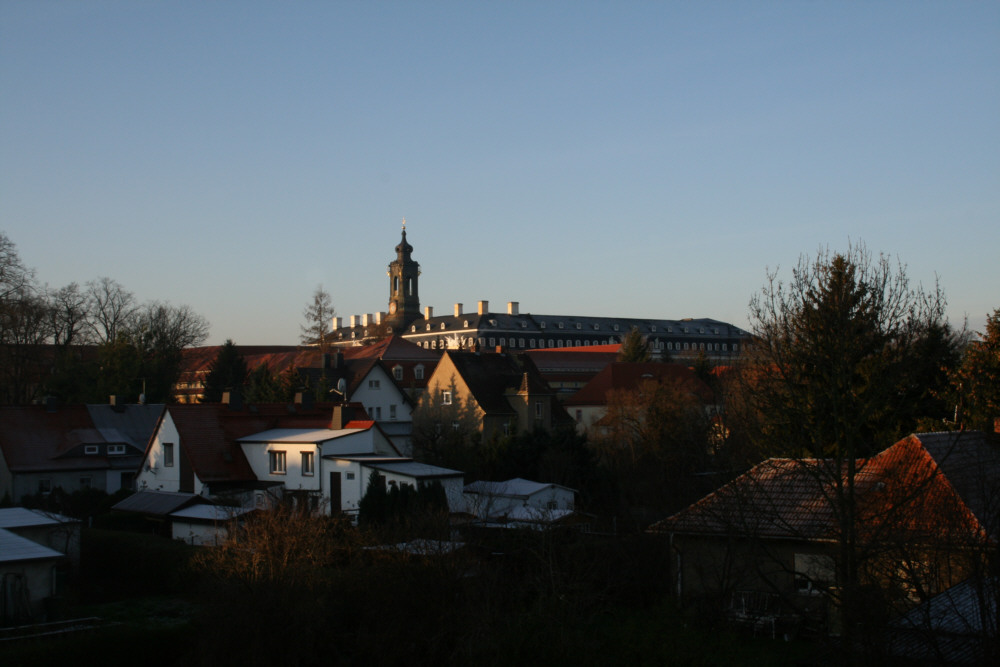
[90,449]
[307,463]
[378,413]
[374,384]
[392,411]
[541,325]
[277,462]
[349,475]
[443,325]
[45,486]
[813,573]
[454,426]
[445,398]
[418,372]
[538,409]
[532,342]
[397,372]
[116,449]
[168,455]
[493,342]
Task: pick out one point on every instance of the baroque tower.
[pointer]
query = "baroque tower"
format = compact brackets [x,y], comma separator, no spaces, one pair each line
[404,302]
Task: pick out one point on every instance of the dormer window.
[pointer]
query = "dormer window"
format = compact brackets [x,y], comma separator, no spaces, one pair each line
[615,327]
[91,449]
[428,326]
[597,327]
[653,328]
[466,324]
[413,328]
[524,325]
[443,325]
[116,450]
[560,325]
[397,373]
[579,326]
[418,372]
[541,325]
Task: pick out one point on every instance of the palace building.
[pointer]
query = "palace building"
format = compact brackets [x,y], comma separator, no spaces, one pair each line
[483,329]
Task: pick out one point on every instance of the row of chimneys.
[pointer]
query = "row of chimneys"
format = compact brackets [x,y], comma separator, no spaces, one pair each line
[378,318]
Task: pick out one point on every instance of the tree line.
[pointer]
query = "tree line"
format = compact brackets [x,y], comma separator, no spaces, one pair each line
[83,343]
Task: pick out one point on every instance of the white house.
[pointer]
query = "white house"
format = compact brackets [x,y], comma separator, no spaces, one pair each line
[491,501]
[350,476]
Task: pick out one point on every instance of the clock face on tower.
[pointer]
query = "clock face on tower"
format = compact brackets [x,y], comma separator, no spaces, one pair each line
[392,307]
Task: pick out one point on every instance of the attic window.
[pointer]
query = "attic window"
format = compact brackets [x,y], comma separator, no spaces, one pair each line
[443,325]
[541,325]
[397,373]
[90,449]
[524,325]
[428,326]
[653,328]
[116,449]
[579,326]
[418,372]
[615,327]
[466,324]
[597,327]
[560,325]
[413,328]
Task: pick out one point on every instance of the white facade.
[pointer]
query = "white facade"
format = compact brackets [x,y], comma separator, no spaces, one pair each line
[355,475]
[161,469]
[382,398]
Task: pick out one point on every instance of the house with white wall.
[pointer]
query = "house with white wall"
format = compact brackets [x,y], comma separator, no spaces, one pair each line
[518,499]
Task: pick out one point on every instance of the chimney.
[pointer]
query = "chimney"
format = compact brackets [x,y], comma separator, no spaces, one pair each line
[338,322]
[379,316]
[458,310]
[233,399]
[304,399]
[366,319]
[354,321]
[512,307]
[428,312]
[341,415]
[484,307]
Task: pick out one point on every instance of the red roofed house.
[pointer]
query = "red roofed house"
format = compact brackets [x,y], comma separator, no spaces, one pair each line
[259,452]
[384,377]
[589,405]
[769,542]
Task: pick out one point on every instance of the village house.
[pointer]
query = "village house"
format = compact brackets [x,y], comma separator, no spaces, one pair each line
[501,393]
[72,447]
[589,405]
[768,544]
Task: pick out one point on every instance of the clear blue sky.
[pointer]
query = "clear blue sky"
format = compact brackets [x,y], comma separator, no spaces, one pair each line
[646,159]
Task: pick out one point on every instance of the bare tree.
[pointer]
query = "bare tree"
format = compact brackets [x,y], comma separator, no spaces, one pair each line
[69,318]
[319,317]
[112,309]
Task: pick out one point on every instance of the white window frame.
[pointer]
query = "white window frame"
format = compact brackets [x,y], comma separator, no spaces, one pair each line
[277,462]
[446,397]
[168,455]
[308,464]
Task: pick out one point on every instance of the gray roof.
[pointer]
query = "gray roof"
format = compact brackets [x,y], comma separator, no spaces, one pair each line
[14,548]
[132,424]
[512,488]
[412,468]
[160,503]
[212,513]
[22,517]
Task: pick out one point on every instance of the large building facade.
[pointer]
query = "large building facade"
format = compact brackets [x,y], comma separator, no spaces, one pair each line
[483,329]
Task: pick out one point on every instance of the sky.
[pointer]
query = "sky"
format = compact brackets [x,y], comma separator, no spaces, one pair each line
[626,159]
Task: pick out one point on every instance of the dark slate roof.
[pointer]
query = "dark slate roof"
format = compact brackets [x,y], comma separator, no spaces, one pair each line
[970,461]
[490,376]
[158,503]
[13,518]
[35,438]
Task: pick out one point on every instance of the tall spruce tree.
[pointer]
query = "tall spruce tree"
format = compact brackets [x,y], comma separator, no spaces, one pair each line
[228,371]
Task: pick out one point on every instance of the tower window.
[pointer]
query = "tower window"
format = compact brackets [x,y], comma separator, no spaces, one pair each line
[409,286]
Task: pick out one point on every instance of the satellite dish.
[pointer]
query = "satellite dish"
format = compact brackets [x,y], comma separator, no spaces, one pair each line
[342,387]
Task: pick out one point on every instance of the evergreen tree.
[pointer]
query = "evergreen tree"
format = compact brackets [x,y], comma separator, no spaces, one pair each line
[319,320]
[228,371]
[634,347]
[977,380]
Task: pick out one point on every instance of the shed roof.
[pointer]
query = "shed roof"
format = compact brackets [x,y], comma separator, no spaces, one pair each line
[14,548]
[158,503]
[22,517]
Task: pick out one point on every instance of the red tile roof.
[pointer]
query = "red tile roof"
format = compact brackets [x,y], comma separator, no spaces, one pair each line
[621,375]
[901,492]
